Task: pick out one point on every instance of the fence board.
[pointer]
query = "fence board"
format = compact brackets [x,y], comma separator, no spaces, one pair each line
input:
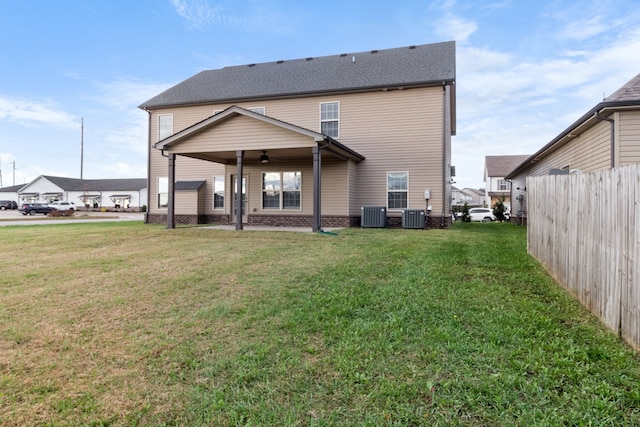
[585,230]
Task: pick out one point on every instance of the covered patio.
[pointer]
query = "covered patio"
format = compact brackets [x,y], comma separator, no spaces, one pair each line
[237,137]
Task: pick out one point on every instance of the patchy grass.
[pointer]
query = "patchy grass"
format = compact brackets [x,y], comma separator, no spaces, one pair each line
[132,324]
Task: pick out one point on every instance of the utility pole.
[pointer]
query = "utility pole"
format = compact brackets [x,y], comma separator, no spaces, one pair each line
[81,145]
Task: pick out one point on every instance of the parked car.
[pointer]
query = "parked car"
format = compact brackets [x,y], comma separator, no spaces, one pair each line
[482,215]
[65,207]
[34,208]
[8,204]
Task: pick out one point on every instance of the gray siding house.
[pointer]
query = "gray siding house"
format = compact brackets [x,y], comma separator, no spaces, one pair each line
[308,142]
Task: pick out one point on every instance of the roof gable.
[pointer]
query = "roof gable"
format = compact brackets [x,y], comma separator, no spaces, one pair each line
[234,111]
[421,65]
[500,166]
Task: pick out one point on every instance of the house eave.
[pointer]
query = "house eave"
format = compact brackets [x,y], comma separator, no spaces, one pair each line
[576,128]
[293,95]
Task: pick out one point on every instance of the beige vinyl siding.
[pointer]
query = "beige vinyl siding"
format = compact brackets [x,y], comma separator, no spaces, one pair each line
[245,132]
[587,152]
[396,130]
[334,192]
[628,137]
[191,202]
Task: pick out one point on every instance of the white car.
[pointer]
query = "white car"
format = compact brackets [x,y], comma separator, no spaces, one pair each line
[61,206]
[482,215]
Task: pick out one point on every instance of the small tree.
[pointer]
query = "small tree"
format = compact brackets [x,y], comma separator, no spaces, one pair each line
[465,213]
[498,209]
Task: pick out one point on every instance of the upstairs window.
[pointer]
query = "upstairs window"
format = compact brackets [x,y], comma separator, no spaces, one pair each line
[330,119]
[503,185]
[259,110]
[165,126]
[397,190]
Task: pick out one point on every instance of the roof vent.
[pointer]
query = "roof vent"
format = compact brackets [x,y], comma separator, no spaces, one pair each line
[251,65]
[374,51]
[342,55]
[412,47]
[279,62]
[309,59]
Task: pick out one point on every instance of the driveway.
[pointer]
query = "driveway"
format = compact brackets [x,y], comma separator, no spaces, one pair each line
[13,217]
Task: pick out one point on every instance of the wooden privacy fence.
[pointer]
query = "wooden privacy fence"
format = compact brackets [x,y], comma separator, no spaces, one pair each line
[585,230]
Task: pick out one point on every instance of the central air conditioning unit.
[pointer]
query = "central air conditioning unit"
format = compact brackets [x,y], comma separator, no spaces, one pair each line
[373,216]
[413,218]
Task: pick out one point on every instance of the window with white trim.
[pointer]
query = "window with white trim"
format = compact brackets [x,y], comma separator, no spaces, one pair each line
[503,185]
[165,126]
[163,192]
[397,190]
[281,190]
[218,192]
[330,119]
[259,110]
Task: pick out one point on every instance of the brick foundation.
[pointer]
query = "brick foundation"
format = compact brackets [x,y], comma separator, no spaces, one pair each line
[290,220]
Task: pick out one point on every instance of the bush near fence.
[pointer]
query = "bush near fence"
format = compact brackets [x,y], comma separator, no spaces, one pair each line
[585,230]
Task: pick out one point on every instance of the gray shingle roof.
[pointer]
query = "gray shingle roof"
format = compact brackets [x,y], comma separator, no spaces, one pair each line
[407,66]
[500,166]
[117,184]
[188,185]
[628,92]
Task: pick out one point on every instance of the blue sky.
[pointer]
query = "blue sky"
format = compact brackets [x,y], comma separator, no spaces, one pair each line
[526,69]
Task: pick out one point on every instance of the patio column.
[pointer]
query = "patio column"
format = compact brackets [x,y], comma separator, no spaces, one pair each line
[171,202]
[238,207]
[317,164]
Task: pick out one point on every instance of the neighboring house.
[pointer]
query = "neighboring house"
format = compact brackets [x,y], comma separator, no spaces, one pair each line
[472,197]
[466,195]
[607,136]
[497,186]
[10,193]
[125,193]
[315,140]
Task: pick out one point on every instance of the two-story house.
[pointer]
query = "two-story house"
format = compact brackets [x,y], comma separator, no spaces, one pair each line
[306,142]
[497,186]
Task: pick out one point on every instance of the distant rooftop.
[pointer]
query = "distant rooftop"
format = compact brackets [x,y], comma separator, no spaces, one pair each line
[500,166]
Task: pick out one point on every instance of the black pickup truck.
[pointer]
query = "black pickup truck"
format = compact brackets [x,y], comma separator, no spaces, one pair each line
[34,208]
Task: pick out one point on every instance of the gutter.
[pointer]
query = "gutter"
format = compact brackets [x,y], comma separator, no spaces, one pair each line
[613,135]
[592,113]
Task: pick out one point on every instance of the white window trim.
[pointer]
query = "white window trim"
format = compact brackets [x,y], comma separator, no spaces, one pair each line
[258,110]
[281,191]
[159,130]
[332,120]
[395,191]
[158,193]
[213,196]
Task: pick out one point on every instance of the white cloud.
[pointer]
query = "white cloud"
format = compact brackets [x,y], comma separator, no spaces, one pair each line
[253,15]
[199,13]
[584,29]
[452,27]
[36,113]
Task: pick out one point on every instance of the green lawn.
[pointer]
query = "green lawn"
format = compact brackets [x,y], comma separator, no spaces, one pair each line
[127,324]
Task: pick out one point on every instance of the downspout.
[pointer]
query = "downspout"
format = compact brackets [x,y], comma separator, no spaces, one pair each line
[613,136]
[146,214]
[446,153]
